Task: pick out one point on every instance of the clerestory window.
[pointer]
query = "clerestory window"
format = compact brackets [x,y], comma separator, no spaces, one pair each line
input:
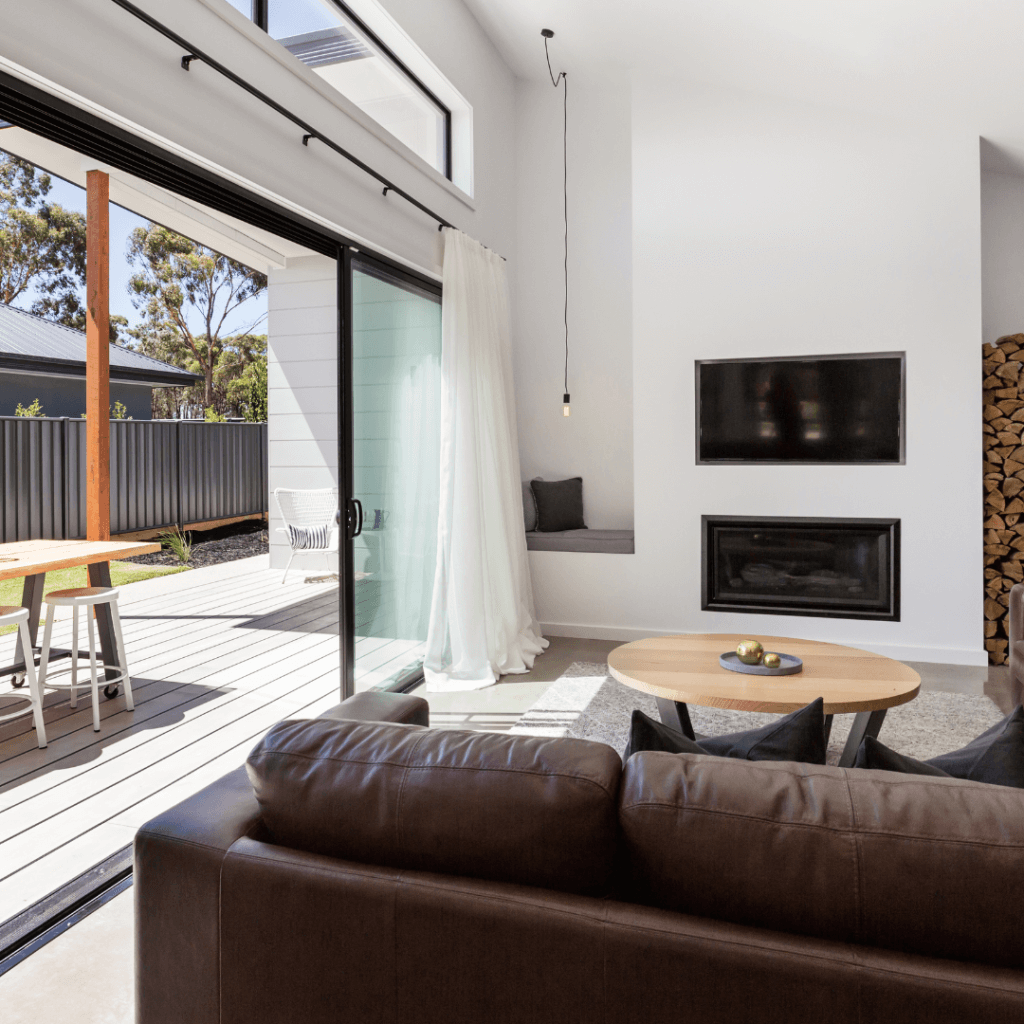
[329,38]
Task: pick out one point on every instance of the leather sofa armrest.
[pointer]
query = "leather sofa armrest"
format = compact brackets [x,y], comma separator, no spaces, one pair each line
[379,706]
[178,857]
[1016,631]
[1016,612]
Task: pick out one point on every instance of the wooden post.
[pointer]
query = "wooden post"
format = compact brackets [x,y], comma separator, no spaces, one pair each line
[97,362]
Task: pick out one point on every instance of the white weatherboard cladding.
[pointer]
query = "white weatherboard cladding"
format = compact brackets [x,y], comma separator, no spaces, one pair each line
[302,390]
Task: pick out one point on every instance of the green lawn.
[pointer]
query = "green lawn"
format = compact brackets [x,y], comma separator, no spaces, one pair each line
[121,574]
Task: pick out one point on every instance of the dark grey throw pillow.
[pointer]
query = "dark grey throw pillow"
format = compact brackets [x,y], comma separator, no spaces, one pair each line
[529,508]
[873,754]
[996,756]
[559,504]
[647,734]
[799,736]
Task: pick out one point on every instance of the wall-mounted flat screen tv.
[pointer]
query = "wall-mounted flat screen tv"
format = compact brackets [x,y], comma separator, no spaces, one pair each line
[811,409]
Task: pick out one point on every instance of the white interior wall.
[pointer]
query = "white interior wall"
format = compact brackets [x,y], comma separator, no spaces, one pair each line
[1002,254]
[763,226]
[596,441]
[302,389]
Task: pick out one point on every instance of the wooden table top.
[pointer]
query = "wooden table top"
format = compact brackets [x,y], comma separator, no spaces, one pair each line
[31,557]
[685,668]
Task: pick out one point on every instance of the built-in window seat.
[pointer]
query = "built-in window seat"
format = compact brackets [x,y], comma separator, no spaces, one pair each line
[608,542]
[563,507]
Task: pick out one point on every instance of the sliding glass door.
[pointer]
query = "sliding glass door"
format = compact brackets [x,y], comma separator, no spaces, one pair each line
[395,423]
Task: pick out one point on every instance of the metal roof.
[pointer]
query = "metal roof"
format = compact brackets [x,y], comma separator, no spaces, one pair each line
[31,344]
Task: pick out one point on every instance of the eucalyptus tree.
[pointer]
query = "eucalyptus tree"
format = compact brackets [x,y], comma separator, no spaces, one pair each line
[179,283]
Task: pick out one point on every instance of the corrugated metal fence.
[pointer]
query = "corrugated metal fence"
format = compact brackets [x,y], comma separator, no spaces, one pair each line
[162,472]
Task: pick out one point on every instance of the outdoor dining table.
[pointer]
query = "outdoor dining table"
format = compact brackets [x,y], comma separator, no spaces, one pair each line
[33,559]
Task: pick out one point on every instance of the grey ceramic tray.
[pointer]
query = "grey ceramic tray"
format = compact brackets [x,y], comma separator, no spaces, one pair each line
[791,664]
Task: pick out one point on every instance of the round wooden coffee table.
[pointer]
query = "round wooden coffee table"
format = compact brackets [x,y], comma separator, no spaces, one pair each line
[681,670]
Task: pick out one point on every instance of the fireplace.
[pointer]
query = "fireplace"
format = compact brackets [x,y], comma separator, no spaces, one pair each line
[841,568]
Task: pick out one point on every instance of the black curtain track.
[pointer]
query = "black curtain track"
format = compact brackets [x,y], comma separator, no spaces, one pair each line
[28,107]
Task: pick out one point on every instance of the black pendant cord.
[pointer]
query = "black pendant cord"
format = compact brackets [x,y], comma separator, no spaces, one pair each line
[563,78]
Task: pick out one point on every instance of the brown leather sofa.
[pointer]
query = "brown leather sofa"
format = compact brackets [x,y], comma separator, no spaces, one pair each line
[1017,641]
[365,872]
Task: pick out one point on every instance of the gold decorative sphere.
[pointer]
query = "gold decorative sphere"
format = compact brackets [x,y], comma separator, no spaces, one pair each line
[749,652]
[771,660]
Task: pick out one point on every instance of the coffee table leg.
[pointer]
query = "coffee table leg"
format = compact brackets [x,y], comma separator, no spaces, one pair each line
[866,723]
[675,715]
[828,728]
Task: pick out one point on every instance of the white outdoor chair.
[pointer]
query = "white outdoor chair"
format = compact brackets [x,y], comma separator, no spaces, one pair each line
[310,521]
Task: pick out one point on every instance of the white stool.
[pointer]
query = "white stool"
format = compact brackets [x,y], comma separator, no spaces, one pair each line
[87,598]
[10,615]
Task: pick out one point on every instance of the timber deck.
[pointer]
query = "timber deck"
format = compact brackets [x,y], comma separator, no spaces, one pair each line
[217,656]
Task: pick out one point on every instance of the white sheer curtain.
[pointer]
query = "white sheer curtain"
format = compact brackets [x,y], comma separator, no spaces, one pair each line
[415,488]
[482,622]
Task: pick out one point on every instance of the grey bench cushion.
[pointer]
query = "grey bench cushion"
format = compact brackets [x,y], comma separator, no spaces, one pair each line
[609,542]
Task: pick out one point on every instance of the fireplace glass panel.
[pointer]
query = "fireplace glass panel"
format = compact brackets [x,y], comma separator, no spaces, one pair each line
[846,568]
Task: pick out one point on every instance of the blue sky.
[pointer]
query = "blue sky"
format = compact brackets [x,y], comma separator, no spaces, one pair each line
[122,223]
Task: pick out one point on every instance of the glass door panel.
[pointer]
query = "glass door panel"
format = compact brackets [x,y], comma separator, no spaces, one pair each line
[396,415]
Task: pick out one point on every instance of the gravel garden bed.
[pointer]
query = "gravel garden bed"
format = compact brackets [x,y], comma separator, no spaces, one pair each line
[211,547]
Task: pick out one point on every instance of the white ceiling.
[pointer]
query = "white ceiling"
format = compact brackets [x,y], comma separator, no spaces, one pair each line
[956,63]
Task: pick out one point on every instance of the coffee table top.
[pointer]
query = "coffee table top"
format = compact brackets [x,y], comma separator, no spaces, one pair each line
[685,668]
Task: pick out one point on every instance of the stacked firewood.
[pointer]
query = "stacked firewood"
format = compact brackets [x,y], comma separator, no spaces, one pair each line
[1003,365]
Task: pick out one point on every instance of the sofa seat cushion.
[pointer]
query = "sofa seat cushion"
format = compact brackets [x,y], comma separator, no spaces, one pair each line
[533,811]
[916,864]
[798,736]
[609,542]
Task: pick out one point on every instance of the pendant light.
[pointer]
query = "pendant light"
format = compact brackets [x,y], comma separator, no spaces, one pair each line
[563,79]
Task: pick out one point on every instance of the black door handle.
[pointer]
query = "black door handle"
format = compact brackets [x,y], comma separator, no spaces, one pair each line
[355,518]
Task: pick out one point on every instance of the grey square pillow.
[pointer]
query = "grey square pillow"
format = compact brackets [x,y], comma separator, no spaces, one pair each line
[529,508]
[559,504]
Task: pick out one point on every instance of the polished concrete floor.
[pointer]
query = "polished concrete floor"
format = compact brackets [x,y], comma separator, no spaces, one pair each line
[498,707]
[86,976]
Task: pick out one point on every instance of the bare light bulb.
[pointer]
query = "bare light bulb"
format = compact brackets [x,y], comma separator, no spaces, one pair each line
[565,404]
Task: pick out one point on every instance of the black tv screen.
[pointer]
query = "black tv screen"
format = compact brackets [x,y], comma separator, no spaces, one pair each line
[844,409]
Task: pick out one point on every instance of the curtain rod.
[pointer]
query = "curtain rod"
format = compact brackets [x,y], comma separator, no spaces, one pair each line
[194,53]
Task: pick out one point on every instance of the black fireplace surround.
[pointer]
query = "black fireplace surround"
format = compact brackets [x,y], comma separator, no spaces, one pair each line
[839,568]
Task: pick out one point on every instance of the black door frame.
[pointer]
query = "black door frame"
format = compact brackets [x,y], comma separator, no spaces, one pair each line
[351,514]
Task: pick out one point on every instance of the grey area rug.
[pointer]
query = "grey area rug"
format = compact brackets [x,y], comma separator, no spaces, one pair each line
[587,703]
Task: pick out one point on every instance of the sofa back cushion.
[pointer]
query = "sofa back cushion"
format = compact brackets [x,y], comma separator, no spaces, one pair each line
[505,808]
[911,863]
